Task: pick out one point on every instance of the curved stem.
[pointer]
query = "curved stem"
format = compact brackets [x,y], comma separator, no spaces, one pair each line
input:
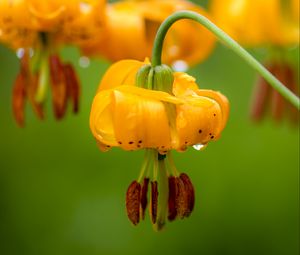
[228,41]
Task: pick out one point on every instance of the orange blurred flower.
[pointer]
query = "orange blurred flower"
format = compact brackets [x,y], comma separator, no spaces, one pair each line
[131,27]
[36,29]
[272,24]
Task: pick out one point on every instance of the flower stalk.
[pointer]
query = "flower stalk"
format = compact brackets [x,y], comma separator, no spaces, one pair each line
[228,41]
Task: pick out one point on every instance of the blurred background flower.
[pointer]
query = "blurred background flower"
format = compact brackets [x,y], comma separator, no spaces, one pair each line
[186,44]
[269,24]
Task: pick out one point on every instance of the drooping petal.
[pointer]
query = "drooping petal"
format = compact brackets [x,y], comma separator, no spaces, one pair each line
[184,84]
[121,72]
[198,121]
[151,94]
[101,122]
[140,122]
[220,99]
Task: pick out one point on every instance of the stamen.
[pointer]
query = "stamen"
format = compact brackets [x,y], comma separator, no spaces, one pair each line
[172,198]
[277,101]
[172,164]
[133,202]
[190,193]
[73,86]
[153,201]
[144,200]
[58,85]
[145,165]
[18,100]
[181,201]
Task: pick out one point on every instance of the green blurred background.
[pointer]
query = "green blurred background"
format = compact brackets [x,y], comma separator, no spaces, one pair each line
[59,195]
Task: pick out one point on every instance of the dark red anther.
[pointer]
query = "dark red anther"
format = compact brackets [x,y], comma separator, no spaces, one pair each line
[32,88]
[261,95]
[18,100]
[277,101]
[172,213]
[58,86]
[133,202]
[73,86]
[153,201]
[291,83]
[190,193]
[144,200]
[181,199]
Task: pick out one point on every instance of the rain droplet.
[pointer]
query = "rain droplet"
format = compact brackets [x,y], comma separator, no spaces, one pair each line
[20,52]
[199,146]
[180,66]
[84,62]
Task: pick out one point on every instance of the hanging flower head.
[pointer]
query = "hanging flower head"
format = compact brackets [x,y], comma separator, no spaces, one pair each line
[141,107]
[132,23]
[273,24]
[36,30]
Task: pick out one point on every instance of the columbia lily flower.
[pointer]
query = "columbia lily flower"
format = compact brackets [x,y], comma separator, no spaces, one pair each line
[131,23]
[273,24]
[34,29]
[141,107]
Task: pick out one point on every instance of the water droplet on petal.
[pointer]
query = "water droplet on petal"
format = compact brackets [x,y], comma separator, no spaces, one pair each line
[20,52]
[84,62]
[180,66]
[199,146]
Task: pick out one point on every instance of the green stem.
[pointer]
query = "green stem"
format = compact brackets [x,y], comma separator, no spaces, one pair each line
[230,43]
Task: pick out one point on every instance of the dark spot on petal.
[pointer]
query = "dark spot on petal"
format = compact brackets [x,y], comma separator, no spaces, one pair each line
[200,131]
[119,142]
[215,114]
[140,141]
[212,137]
[210,133]
[130,142]
[185,142]
[139,146]
[162,147]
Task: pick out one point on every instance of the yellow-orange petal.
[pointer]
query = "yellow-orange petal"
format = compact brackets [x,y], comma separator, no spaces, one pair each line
[198,121]
[151,94]
[140,122]
[101,118]
[121,72]
[220,99]
[184,84]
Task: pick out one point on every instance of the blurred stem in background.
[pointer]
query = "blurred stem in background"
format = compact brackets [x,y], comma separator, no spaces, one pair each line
[228,41]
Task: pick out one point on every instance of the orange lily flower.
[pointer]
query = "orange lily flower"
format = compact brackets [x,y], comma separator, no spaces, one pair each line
[257,23]
[33,28]
[83,22]
[268,23]
[187,41]
[125,114]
